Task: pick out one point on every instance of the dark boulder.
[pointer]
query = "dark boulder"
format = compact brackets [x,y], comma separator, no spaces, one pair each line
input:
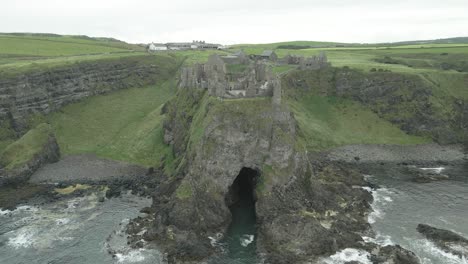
[445,239]
[394,254]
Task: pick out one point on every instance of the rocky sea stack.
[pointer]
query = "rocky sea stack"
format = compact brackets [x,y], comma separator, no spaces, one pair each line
[304,206]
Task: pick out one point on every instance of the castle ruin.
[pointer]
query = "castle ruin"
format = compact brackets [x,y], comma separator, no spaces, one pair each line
[256,81]
[307,63]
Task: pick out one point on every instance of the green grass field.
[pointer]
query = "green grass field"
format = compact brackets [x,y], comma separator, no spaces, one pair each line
[47,47]
[364,56]
[28,52]
[125,125]
[59,45]
[326,122]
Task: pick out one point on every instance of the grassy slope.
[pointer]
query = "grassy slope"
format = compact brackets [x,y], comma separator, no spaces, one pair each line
[125,125]
[326,122]
[25,148]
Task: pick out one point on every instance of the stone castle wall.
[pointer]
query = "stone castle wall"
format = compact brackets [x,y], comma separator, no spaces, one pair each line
[257,81]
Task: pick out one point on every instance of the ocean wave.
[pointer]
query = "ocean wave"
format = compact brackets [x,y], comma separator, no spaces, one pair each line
[62,221]
[23,239]
[348,255]
[431,249]
[246,240]
[131,256]
[437,170]
[381,197]
[382,240]
[19,209]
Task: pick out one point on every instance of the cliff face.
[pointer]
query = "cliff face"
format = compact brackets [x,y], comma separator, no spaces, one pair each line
[305,207]
[405,100]
[44,91]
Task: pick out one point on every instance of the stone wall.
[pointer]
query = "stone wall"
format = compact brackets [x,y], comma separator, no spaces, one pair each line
[313,63]
[257,81]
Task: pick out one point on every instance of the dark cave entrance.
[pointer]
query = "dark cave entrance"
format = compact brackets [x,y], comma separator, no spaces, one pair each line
[242,232]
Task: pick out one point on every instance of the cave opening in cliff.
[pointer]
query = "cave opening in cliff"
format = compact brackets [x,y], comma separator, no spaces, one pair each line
[241,200]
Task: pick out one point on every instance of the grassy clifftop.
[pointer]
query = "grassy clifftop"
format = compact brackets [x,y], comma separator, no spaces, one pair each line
[52,46]
[20,52]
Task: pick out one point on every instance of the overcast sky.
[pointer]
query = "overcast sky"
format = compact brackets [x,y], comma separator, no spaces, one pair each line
[240,21]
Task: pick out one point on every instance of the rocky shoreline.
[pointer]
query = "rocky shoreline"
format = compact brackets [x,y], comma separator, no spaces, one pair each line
[411,154]
[87,170]
[336,175]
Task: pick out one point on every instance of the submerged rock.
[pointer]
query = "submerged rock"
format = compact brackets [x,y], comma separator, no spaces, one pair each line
[445,239]
[426,176]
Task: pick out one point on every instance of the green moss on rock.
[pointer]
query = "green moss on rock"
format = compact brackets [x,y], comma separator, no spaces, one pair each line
[184,191]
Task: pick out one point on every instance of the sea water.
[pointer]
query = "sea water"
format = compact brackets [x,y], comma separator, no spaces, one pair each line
[77,230]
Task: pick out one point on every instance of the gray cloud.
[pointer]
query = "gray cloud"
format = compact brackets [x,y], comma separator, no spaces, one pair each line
[241,21]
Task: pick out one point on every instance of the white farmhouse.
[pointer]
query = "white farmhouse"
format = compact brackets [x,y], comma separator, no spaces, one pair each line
[156,47]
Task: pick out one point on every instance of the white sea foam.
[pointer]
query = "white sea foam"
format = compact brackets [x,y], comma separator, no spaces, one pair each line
[246,240]
[142,232]
[367,177]
[347,255]
[381,199]
[19,209]
[437,170]
[131,256]
[23,239]
[215,241]
[431,249]
[74,203]
[382,240]
[62,221]
[4,212]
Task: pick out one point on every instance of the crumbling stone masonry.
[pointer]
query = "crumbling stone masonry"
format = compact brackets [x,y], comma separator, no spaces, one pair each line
[257,80]
[312,63]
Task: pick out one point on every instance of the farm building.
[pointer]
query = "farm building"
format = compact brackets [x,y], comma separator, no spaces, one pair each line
[269,55]
[192,45]
[156,47]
